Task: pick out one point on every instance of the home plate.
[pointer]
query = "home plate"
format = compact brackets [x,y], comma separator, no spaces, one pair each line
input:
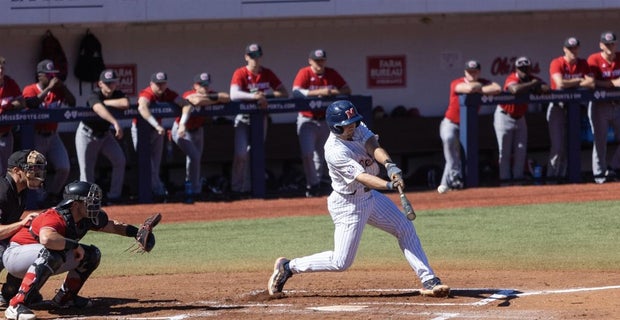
[345,308]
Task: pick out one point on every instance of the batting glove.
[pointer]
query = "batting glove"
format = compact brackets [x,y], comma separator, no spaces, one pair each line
[393,170]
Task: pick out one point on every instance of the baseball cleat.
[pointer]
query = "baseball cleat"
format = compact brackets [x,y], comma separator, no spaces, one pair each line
[434,288]
[19,312]
[281,273]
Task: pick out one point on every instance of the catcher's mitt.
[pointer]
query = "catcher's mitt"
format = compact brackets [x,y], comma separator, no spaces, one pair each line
[145,239]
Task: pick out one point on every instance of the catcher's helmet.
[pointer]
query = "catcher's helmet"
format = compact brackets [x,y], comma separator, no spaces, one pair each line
[341,113]
[87,192]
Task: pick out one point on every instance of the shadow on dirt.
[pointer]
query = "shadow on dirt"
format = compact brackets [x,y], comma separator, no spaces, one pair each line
[110,306]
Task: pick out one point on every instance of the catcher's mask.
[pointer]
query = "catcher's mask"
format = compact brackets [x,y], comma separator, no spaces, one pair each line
[341,113]
[87,192]
[32,162]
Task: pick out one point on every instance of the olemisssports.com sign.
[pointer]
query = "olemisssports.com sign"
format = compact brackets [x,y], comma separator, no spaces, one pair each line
[386,71]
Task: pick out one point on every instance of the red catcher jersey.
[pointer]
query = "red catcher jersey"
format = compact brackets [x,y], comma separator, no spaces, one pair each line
[569,71]
[602,69]
[453,113]
[516,110]
[53,100]
[48,219]
[264,81]
[194,122]
[307,79]
[9,91]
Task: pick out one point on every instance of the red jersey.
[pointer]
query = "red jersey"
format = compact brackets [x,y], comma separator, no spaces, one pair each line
[53,100]
[194,122]
[167,96]
[264,81]
[9,91]
[307,79]
[603,69]
[516,110]
[453,113]
[48,219]
[579,69]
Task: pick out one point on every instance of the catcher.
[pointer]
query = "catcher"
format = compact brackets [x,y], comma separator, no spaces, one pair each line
[50,245]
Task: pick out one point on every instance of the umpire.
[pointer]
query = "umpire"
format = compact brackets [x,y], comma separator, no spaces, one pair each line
[26,170]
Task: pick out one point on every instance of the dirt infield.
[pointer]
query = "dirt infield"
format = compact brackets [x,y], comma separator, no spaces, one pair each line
[356,294]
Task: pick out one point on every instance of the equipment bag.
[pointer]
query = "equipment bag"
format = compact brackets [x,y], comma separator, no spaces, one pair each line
[52,50]
[90,60]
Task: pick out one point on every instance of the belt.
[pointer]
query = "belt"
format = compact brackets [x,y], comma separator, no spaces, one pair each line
[506,113]
[46,133]
[91,133]
[354,192]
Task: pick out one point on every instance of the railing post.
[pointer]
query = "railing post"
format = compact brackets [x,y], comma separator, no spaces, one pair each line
[257,153]
[145,194]
[469,140]
[573,148]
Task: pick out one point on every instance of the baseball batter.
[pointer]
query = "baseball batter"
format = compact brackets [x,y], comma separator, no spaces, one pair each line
[157,91]
[353,153]
[567,71]
[49,92]
[510,125]
[319,81]
[255,83]
[10,98]
[93,137]
[605,67]
[449,128]
[188,129]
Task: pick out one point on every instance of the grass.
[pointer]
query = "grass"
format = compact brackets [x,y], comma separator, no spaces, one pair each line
[575,236]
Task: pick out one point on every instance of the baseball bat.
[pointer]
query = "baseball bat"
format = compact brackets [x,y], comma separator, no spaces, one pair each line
[406,204]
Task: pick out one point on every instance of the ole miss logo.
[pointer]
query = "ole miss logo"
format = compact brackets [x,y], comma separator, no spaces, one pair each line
[350,113]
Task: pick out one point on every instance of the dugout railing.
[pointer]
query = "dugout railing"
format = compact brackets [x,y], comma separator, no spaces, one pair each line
[27,118]
[573,101]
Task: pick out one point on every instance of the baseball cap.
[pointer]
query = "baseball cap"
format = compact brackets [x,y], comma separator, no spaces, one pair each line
[318,54]
[46,66]
[203,79]
[523,62]
[254,50]
[472,65]
[571,42]
[159,77]
[608,37]
[108,76]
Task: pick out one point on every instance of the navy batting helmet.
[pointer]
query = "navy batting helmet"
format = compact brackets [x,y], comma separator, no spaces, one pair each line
[88,192]
[341,113]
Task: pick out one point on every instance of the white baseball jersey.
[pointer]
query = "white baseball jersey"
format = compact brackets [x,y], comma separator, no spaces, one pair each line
[352,206]
[347,159]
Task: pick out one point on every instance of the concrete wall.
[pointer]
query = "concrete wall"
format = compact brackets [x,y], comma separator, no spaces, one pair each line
[435,47]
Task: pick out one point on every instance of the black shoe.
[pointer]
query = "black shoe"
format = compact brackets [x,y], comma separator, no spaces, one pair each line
[65,299]
[313,191]
[281,273]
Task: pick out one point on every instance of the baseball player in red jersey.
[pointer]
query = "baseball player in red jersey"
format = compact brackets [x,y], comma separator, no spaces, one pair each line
[605,68]
[510,125]
[10,98]
[567,72]
[49,92]
[50,245]
[449,128]
[255,83]
[315,80]
[157,91]
[188,129]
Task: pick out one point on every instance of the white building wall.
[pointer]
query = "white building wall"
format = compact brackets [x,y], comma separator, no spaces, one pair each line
[183,49]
